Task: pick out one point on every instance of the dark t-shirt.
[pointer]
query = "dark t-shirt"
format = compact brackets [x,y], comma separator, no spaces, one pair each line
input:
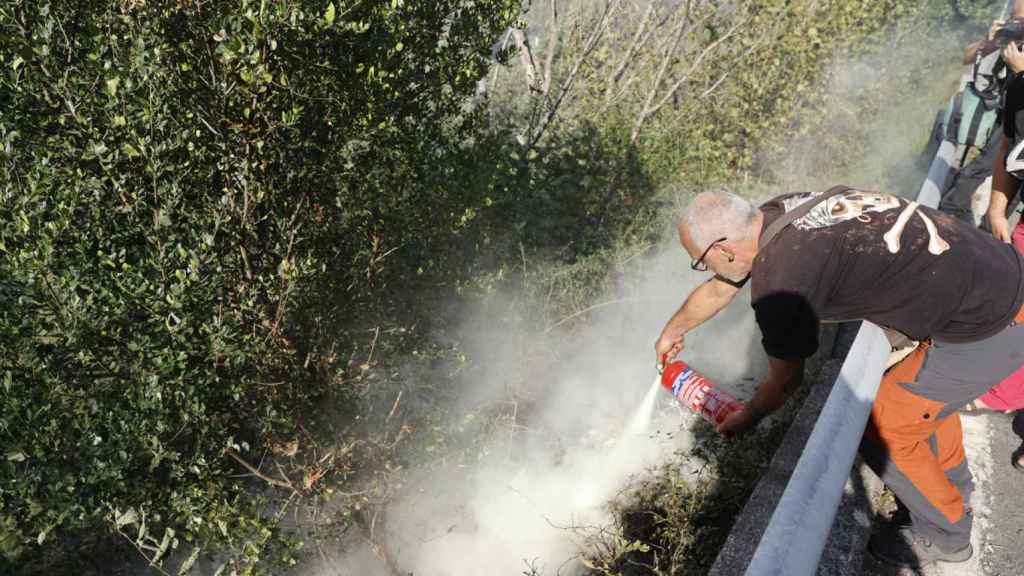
[1013,102]
[872,256]
[1013,125]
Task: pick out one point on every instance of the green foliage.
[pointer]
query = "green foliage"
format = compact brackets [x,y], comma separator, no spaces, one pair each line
[181,181]
[593,151]
[204,206]
[677,98]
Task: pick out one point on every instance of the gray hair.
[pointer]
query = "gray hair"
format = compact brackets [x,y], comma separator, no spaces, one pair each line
[714,215]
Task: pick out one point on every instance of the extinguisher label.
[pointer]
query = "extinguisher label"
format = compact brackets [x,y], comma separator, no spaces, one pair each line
[681,380]
[694,391]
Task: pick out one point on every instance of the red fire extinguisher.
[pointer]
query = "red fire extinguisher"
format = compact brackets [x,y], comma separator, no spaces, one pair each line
[693,390]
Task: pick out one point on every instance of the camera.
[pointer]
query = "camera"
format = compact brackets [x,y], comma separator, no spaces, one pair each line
[1012,31]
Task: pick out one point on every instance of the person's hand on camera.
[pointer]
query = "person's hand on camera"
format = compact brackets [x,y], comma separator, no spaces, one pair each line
[1013,56]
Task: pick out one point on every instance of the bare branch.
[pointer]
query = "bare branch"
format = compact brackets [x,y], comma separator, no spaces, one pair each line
[718,82]
[493,83]
[638,40]
[394,407]
[554,34]
[649,110]
[526,57]
[764,38]
[696,64]
[379,547]
[595,36]
[585,310]
[255,472]
[725,75]
[681,31]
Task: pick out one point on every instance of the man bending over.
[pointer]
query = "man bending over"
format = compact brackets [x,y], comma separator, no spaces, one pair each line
[845,255]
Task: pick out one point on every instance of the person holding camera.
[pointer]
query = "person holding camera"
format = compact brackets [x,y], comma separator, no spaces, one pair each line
[1008,163]
[1007,173]
[976,111]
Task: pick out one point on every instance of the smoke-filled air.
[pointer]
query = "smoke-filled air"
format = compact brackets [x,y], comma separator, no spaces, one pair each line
[599,419]
[348,288]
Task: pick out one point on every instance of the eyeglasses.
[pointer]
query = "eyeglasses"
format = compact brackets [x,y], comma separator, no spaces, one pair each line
[699,264]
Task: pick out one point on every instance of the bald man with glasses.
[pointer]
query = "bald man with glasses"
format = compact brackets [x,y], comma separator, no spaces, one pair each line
[848,254]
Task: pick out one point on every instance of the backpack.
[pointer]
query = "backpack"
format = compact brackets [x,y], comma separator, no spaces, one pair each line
[988,73]
[970,118]
[973,113]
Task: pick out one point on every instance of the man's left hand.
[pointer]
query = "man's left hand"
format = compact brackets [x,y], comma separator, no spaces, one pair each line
[737,423]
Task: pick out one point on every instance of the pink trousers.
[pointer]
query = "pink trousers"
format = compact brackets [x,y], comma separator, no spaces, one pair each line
[1009,394]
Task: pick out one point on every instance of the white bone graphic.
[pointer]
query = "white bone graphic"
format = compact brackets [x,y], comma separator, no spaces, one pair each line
[936,245]
[892,237]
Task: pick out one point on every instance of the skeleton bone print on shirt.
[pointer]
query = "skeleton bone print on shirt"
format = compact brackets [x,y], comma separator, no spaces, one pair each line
[860,205]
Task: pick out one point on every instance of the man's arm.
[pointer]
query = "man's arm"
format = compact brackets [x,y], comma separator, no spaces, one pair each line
[973,47]
[1004,186]
[971,50]
[783,377]
[704,302]
[1003,190]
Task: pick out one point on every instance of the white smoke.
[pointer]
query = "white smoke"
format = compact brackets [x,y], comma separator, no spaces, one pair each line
[509,512]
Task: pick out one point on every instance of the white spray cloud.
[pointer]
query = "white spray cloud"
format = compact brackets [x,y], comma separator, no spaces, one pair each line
[511,510]
[508,512]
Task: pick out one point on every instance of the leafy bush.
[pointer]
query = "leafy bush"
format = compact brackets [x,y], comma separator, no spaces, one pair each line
[181,183]
[204,204]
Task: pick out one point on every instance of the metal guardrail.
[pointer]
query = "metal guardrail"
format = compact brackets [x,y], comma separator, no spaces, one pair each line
[793,541]
[795,537]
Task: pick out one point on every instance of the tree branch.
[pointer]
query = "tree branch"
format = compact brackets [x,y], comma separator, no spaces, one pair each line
[648,110]
[255,472]
[592,41]
[665,62]
[549,58]
[526,57]
[693,67]
[633,47]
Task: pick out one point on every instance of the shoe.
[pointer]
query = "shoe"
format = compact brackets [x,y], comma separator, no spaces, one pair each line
[900,517]
[905,549]
[1016,457]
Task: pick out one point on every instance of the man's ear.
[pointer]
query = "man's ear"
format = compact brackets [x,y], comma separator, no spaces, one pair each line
[730,254]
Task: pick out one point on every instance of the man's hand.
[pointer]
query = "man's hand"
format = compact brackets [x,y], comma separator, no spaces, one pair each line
[996,25]
[667,346]
[783,377]
[1000,227]
[737,423]
[1014,57]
